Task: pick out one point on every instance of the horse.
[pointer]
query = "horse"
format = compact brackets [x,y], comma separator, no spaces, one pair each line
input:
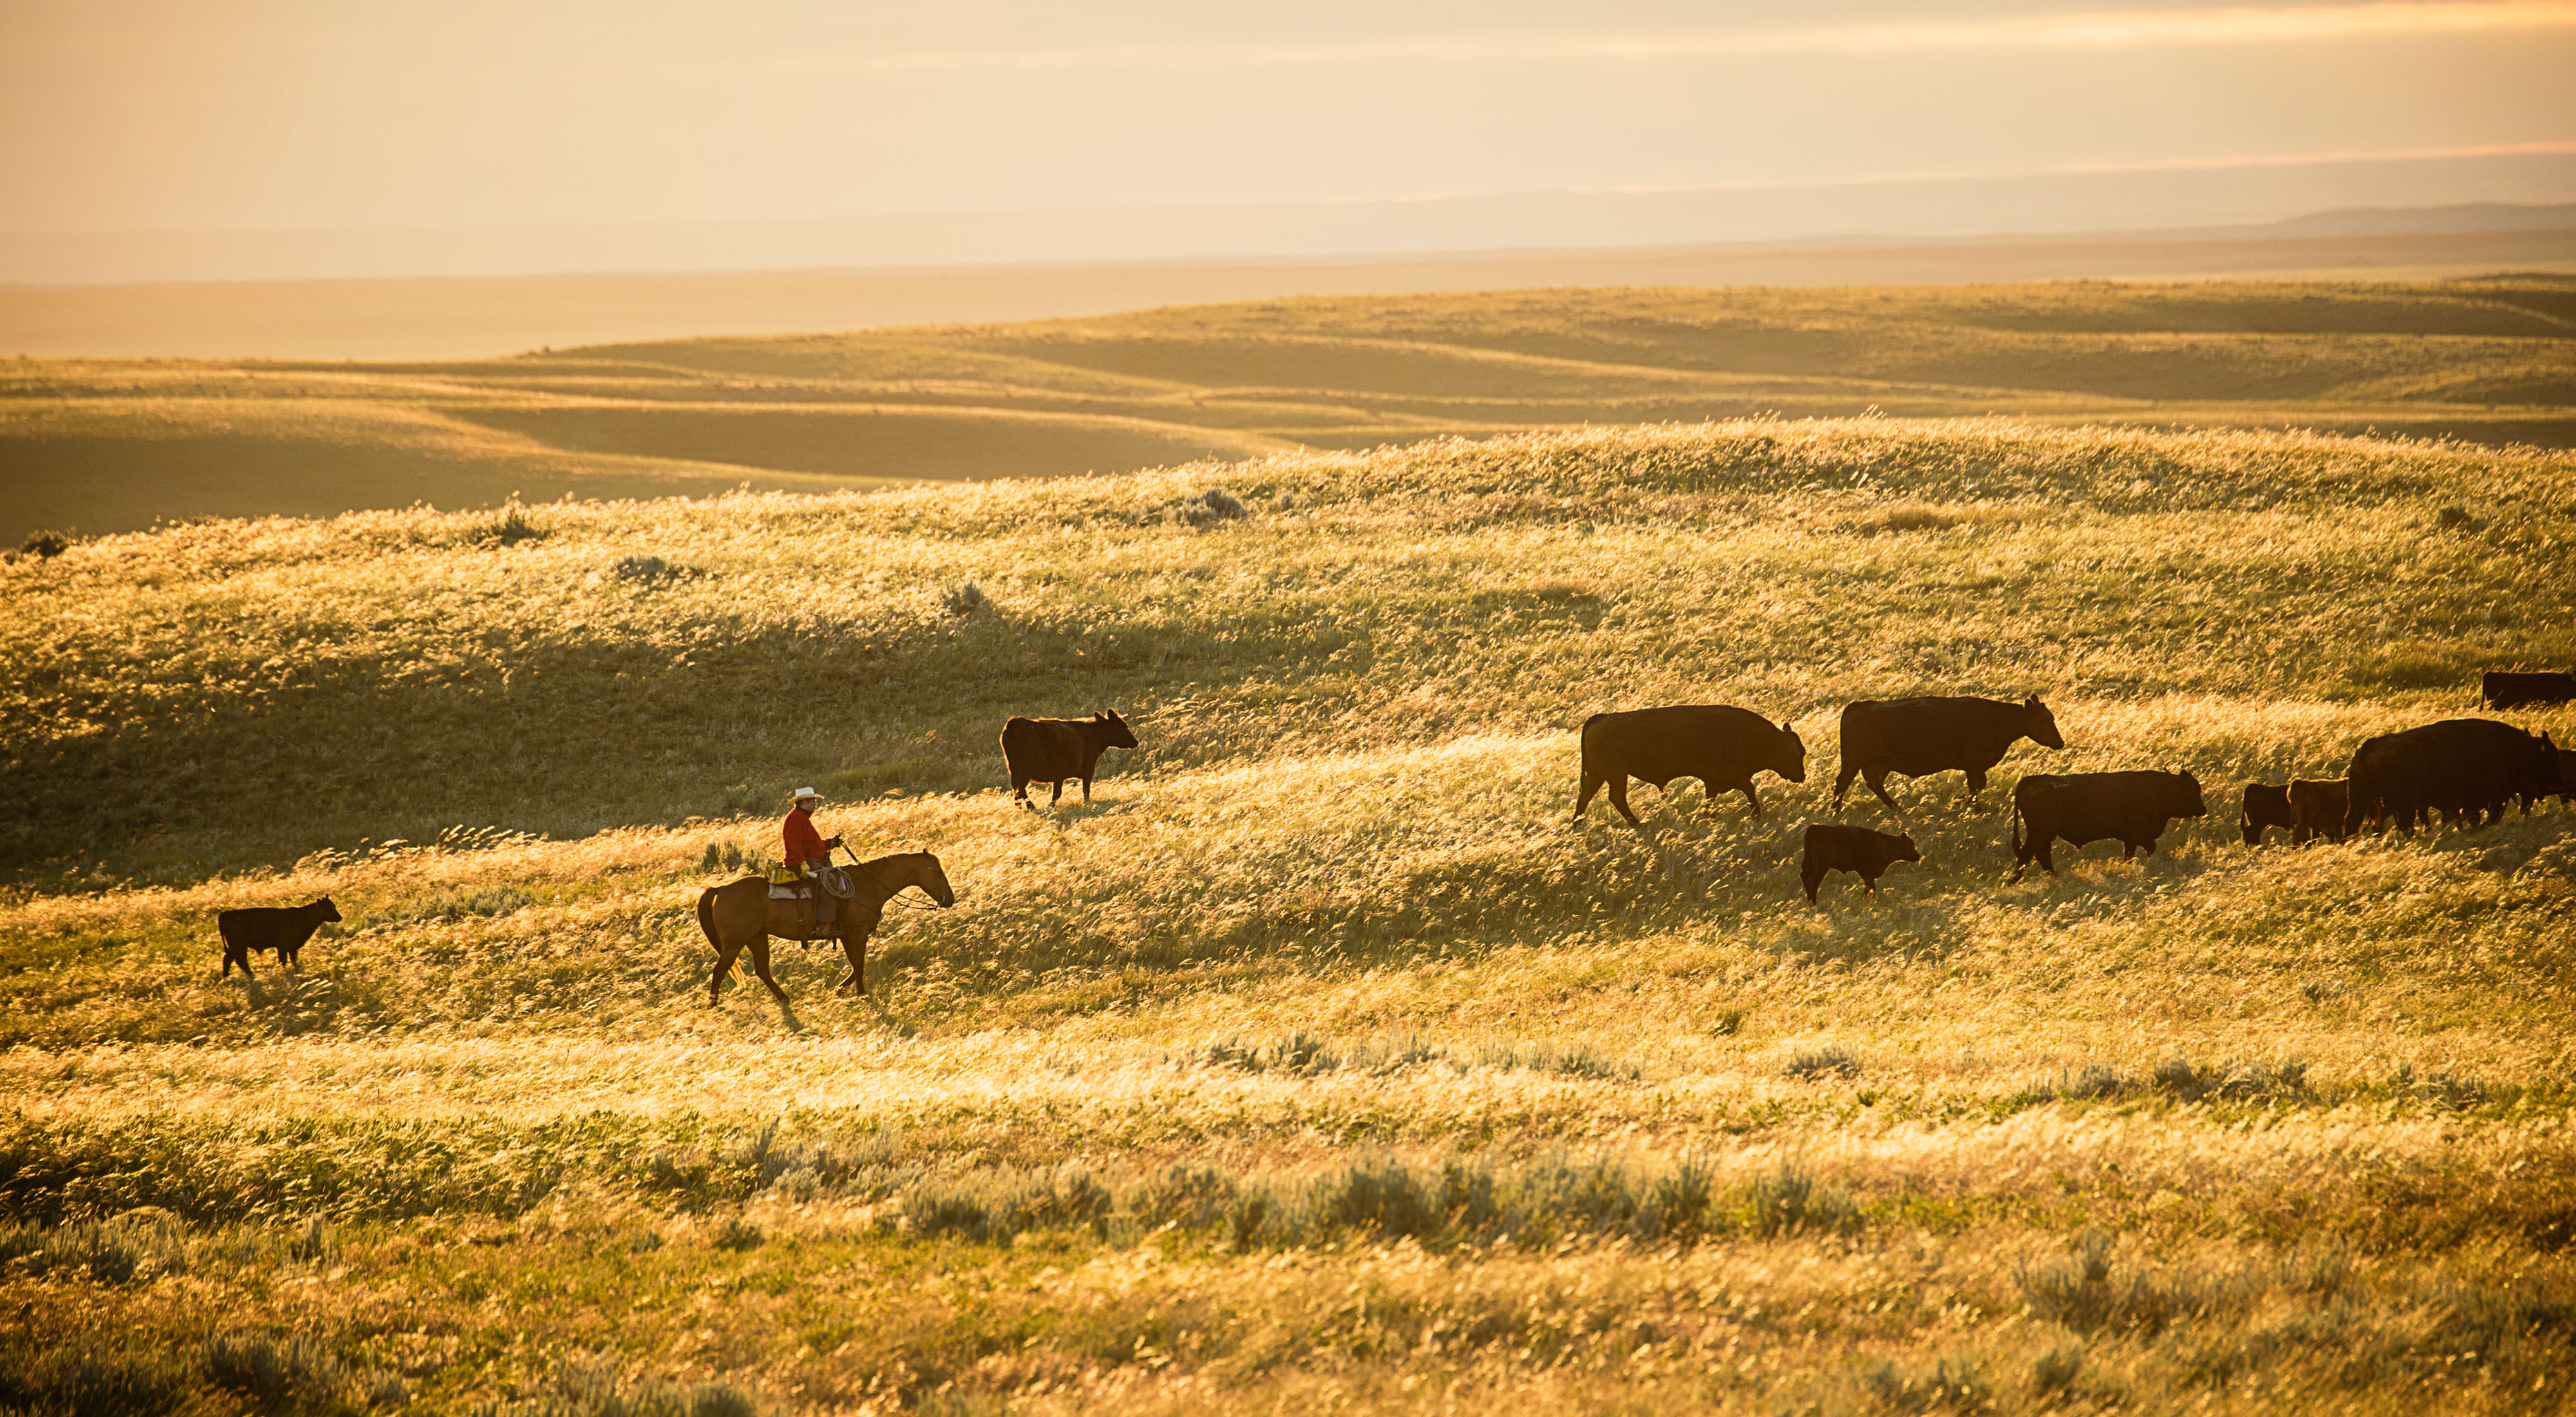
[740,915]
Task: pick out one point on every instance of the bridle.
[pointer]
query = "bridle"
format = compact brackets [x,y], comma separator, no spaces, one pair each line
[896,897]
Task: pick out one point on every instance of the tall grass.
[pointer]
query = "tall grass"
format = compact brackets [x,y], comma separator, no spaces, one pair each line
[1323,1059]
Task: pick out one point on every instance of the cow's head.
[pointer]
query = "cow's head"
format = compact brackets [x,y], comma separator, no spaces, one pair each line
[1789,755]
[2186,796]
[1120,736]
[328,911]
[2039,724]
[1904,849]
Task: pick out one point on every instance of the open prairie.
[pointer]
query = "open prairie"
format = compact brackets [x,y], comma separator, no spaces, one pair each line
[1323,1059]
[115,445]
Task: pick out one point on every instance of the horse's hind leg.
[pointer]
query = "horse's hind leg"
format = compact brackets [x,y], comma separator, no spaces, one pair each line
[760,966]
[724,965]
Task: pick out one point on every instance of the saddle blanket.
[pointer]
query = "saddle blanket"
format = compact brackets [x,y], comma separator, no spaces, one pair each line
[778,892]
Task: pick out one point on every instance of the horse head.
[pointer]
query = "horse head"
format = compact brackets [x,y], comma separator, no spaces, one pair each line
[927,874]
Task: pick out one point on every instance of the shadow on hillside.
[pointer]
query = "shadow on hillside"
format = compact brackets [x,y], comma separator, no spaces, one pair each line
[560,735]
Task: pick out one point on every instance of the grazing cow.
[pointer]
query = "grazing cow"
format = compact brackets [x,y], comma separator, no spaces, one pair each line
[1864,853]
[284,930]
[1722,747]
[2267,805]
[1057,750]
[2131,807]
[2318,805]
[2506,690]
[1920,736]
[2465,768]
[2563,787]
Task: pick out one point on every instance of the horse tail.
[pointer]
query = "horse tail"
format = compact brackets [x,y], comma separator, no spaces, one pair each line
[707,917]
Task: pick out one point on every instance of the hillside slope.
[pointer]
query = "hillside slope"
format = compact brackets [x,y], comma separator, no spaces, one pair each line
[108,445]
[1322,1059]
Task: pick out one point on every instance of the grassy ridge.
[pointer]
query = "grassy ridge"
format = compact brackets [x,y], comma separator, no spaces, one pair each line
[553,679]
[1321,1059]
[111,445]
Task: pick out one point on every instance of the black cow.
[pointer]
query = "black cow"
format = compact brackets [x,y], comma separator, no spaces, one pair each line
[271,928]
[1058,750]
[1920,736]
[1722,747]
[1864,853]
[2465,768]
[2130,807]
[2267,805]
[2506,690]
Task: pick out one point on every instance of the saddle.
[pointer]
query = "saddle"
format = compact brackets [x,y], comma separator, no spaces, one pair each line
[836,887]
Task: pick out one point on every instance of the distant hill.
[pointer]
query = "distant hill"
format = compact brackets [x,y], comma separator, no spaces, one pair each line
[2465,216]
[113,445]
[457,318]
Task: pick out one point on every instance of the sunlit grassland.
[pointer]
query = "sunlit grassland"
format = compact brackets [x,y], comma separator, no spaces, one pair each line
[105,445]
[1322,1058]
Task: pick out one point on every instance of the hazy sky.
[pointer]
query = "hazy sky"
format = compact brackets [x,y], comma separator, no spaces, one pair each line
[143,115]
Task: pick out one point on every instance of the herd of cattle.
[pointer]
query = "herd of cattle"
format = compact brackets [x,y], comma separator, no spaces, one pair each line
[2467,769]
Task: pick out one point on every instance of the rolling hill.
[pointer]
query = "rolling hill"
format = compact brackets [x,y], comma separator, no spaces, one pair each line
[115,445]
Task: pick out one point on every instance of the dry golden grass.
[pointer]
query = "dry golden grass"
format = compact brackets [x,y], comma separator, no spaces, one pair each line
[1322,1059]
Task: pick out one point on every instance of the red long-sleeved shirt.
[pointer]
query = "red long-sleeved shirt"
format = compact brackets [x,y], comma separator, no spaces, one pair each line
[803,842]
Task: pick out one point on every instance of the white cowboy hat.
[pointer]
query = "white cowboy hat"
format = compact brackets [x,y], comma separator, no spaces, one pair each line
[800,794]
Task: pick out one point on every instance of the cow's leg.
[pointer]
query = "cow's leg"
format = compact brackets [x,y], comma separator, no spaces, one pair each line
[1056,797]
[1871,882]
[760,966]
[1749,796]
[1583,797]
[236,954]
[1020,790]
[2046,849]
[1619,799]
[1812,876]
[1086,792]
[1878,783]
[1843,782]
[1976,785]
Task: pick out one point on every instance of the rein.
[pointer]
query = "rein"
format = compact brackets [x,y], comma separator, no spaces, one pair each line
[895,897]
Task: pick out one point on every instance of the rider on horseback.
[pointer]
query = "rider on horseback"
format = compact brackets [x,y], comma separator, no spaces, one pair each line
[808,851]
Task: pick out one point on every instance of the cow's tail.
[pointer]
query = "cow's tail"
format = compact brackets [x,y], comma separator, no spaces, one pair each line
[707,917]
[2016,825]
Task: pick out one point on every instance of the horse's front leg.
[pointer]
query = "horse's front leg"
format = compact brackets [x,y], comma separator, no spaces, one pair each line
[854,943]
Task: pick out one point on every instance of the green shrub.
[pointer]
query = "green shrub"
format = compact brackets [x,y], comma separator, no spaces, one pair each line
[1818,1063]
